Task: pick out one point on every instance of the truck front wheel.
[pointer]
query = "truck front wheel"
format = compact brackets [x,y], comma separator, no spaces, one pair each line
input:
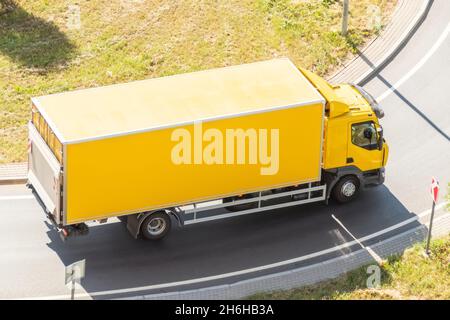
[346,189]
[156,226]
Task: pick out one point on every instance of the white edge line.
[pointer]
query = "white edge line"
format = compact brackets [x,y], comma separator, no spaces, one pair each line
[419,65]
[23,197]
[375,256]
[250,270]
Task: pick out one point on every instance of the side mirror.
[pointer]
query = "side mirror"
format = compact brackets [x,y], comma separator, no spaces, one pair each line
[380,139]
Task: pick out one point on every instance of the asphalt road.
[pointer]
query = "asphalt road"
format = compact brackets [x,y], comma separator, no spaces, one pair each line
[417,126]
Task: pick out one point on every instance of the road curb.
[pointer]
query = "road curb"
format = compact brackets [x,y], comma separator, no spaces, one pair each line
[417,22]
[13,173]
[15,180]
[311,274]
[346,74]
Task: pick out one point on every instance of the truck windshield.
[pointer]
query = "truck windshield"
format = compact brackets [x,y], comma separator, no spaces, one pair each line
[364,135]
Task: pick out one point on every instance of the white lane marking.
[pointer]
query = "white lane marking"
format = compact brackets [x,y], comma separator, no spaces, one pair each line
[23,197]
[419,65]
[250,270]
[375,256]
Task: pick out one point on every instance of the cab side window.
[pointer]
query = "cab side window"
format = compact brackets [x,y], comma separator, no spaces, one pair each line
[364,135]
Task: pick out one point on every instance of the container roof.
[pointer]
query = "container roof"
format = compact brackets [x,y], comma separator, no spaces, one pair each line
[145,105]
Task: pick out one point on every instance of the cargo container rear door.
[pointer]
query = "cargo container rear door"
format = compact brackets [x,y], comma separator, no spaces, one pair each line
[44,173]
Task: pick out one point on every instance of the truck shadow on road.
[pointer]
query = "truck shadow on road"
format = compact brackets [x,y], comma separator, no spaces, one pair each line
[115,261]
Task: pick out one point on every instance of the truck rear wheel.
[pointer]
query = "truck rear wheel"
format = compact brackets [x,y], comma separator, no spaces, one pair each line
[156,226]
[346,189]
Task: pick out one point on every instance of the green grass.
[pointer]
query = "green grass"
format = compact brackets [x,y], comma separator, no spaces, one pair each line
[135,39]
[407,276]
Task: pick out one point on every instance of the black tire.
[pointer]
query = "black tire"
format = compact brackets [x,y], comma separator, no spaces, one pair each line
[156,226]
[241,207]
[346,189]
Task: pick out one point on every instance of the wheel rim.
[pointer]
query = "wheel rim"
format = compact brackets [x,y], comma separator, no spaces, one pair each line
[348,189]
[156,226]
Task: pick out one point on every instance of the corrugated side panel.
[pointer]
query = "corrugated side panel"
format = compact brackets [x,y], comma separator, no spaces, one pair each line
[136,172]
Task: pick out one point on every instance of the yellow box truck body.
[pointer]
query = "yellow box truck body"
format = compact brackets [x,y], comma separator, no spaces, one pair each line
[118,145]
[174,141]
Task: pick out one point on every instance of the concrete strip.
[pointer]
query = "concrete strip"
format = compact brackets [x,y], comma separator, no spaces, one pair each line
[406,19]
[13,173]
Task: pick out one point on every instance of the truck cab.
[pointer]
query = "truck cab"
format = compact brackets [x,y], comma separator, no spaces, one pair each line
[354,146]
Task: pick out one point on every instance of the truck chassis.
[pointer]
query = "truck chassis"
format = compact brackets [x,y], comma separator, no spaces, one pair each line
[217,209]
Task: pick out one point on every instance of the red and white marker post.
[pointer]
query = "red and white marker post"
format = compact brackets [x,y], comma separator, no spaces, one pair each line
[434,190]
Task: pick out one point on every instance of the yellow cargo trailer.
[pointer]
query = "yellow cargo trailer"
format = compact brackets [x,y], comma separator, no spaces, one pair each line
[199,146]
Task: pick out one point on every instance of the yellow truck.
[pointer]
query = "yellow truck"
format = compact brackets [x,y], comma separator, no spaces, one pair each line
[202,146]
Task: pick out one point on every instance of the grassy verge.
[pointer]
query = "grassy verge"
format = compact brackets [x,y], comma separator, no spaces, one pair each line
[43,50]
[447,197]
[407,276]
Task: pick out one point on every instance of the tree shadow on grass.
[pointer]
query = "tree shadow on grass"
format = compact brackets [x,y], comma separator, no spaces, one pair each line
[31,41]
